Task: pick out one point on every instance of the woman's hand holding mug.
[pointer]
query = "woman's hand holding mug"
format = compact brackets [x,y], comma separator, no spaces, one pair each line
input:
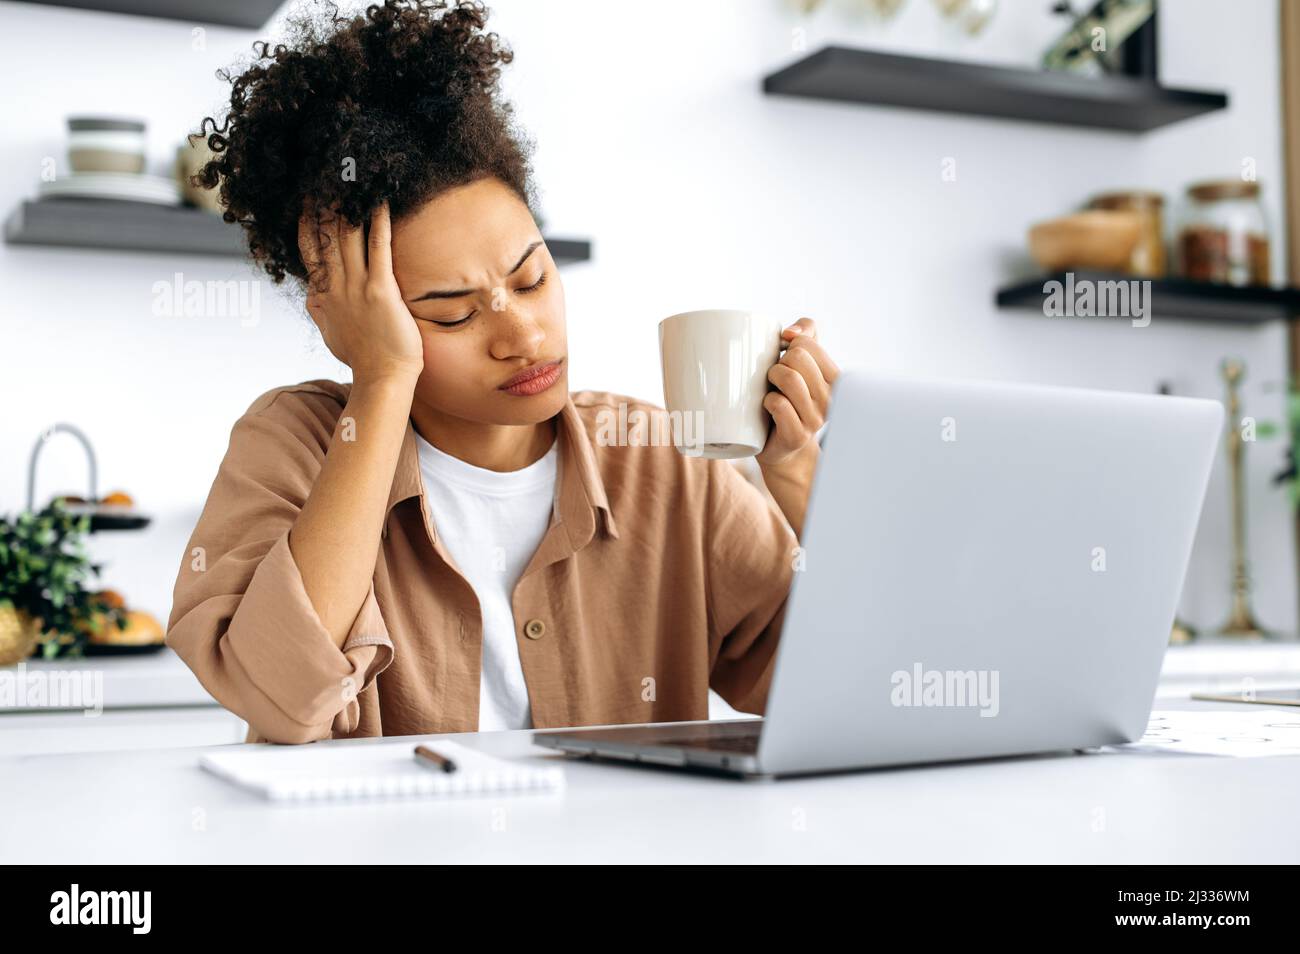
[741,386]
[803,376]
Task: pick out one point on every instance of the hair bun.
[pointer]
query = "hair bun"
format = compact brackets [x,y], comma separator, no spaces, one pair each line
[394,105]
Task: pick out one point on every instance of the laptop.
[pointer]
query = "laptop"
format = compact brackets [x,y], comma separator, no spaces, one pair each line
[989,570]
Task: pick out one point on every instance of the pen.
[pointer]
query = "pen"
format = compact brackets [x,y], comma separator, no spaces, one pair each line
[426,753]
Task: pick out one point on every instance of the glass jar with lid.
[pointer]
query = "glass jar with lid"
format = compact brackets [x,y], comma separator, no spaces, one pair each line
[1223,234]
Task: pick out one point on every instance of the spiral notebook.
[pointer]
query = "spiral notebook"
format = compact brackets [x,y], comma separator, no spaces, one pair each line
[375,770]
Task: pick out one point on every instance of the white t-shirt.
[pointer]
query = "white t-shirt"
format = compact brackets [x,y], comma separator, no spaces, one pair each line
[492,523]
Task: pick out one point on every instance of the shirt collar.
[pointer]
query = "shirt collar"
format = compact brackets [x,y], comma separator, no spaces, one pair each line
[579,491]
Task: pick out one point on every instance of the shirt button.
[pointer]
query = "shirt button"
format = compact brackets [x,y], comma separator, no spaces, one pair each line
[534,629]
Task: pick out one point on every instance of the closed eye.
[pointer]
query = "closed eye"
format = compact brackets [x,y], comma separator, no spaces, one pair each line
[451,324]
[534,286]
[526,290]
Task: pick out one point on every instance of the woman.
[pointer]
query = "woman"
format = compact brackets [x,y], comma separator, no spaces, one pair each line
[436,547]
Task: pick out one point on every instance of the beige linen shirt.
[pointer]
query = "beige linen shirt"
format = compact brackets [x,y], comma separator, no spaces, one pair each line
[660,576]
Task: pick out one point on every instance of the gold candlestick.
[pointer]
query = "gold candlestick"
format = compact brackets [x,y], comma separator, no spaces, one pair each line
[1241,624]
[1181,632]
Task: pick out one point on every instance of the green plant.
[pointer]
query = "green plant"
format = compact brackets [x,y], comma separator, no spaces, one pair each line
[1289,476]
[45,573]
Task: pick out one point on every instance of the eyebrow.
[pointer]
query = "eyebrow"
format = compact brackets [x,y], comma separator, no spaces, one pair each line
[460,292]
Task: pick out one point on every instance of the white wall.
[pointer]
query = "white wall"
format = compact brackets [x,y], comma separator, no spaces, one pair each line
[698,191]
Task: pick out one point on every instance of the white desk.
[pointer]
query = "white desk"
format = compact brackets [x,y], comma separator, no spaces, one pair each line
[157,806]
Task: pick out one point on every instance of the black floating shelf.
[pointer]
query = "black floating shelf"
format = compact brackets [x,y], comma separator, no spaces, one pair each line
[122,226]
[250,14]
[569,251]
[886,79]
[143,227]
[1174,298]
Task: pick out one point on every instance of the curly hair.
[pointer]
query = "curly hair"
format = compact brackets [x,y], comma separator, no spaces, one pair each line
[397,105]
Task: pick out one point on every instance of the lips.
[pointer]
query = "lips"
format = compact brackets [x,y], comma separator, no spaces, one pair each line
[528,374]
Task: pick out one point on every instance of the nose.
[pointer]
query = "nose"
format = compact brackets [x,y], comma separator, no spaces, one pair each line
[516,332]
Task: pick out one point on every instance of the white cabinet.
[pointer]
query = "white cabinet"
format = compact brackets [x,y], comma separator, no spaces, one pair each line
[121,702]
[34,733]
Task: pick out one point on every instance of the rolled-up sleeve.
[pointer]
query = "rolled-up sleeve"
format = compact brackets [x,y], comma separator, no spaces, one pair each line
[750,564]
[241,618]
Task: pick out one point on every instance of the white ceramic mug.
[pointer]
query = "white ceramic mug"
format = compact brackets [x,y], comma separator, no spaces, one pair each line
[715,365]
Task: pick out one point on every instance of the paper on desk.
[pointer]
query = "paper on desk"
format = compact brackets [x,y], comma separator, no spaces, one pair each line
[1235,734]
[375,769]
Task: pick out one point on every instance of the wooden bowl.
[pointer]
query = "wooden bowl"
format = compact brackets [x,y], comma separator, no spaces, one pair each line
[1101,239]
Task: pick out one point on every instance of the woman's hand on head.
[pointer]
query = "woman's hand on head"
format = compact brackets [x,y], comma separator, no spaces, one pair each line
[804,377]
[353,297]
